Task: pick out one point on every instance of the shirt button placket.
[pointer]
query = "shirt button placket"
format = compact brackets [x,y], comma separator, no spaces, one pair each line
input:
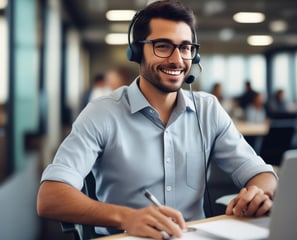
[169,168]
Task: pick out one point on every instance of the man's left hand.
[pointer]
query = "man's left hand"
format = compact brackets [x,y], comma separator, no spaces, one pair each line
[251,201]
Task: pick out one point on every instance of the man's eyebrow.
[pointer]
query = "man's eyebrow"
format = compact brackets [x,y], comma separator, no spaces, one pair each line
[162,40]
[170,41]
[187,42]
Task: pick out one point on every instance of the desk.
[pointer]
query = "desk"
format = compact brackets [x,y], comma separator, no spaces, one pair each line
[116,236]
[252,129]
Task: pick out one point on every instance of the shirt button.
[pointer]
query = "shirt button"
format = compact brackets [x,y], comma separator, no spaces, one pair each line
[168,188]
[152,111]
[168,160]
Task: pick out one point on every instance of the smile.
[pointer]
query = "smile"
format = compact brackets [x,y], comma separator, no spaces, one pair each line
[172,72]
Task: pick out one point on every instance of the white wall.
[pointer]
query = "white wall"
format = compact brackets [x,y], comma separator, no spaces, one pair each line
[3,61]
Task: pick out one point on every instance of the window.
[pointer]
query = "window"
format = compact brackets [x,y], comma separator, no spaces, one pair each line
[232,71]
[280,73]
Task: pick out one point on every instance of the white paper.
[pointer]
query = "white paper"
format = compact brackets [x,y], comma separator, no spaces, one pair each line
[234,229]
[231,229]
[186,236]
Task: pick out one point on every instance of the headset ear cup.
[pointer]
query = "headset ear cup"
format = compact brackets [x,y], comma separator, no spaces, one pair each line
[129,53]
[196,59]
[134,53]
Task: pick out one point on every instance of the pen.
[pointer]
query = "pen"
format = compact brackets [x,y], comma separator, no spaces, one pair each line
[152,198]
[155,201]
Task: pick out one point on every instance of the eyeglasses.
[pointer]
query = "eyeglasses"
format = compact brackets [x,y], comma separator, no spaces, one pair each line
[164,48]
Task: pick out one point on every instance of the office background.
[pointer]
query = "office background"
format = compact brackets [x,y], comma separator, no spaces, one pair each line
[50,50]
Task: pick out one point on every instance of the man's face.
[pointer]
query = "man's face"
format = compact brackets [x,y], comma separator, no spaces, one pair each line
[166,74]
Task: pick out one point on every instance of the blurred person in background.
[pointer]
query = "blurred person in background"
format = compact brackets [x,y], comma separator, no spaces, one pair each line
[278,102]
[118,76]
[99,88]
[248,95]
[227,104]
[255,112]
[217,91]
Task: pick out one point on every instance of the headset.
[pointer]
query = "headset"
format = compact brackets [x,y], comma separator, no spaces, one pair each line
[134,51]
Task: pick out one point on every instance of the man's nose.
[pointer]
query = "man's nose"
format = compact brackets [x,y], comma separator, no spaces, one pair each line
[176,56]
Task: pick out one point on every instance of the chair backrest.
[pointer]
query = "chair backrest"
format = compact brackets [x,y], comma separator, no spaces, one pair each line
[81,231]
[278,140]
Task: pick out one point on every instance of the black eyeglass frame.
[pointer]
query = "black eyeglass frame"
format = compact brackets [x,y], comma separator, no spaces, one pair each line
[179,46]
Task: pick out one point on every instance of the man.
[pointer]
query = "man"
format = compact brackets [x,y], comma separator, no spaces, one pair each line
[149,136]
[248,95]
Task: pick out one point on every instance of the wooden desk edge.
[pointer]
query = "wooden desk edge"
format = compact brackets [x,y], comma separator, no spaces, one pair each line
[116,236]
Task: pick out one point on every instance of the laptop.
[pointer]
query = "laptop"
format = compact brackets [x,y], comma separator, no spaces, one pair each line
[283,217]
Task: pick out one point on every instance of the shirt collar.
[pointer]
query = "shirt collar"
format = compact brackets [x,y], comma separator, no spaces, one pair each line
[136,98]
[185,100]
[139,102]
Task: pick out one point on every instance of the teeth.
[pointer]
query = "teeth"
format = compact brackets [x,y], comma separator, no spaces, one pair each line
[172,72]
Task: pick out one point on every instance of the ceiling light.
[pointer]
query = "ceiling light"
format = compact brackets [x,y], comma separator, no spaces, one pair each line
[278,26]
[226,34]
[249,17]
[120,15]
[260,40]
[116,38]
[3,4]
[213,7]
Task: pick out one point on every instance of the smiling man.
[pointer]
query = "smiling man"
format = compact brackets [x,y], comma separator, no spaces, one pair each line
[151,136]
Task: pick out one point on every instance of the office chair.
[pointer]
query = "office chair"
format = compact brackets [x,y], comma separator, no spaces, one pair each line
[278,140]
[80,231]
[219,184]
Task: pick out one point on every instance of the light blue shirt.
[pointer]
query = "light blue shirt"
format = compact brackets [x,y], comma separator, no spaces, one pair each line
[122,139]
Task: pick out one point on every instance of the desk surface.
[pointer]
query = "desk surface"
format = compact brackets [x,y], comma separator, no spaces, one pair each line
[116,236]
[252,129]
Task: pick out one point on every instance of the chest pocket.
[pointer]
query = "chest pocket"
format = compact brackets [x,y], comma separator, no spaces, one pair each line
[195,170]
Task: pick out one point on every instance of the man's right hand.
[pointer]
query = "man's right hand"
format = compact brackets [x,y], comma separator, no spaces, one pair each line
[151,221]
[62,202]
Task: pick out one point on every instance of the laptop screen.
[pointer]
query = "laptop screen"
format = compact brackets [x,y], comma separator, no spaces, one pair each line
[284,210]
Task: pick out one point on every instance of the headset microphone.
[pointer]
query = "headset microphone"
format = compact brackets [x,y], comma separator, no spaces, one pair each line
[195,71]
[190,79]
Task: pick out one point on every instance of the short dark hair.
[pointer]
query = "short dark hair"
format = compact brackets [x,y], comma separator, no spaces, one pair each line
[166,9]
[99,77]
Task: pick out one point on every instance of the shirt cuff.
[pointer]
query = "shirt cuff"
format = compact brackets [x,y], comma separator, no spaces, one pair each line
[55,172]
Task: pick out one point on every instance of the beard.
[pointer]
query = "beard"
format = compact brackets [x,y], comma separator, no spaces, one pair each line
[151,74]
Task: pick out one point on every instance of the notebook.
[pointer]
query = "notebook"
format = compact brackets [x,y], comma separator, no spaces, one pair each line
[283,218]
